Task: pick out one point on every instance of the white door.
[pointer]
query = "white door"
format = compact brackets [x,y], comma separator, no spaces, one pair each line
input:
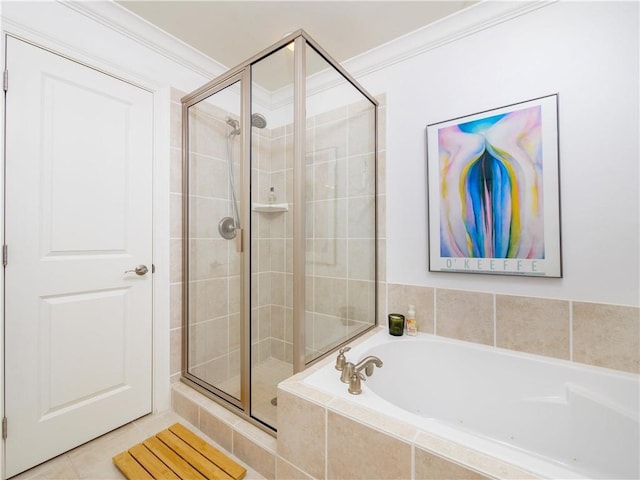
[78,214]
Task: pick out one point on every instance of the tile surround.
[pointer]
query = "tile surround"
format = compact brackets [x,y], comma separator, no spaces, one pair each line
[533,325]
[433,467]
[465,315]
[379,456]
[606,335]
[595,334]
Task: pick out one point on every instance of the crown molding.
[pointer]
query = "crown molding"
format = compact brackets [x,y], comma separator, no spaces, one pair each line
[456,26]
[476,18]
[121,20]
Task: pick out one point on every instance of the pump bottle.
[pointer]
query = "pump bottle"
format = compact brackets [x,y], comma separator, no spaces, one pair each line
[412,325]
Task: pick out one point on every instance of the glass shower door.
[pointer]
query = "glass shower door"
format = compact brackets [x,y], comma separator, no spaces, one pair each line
[271,230]
[213,285]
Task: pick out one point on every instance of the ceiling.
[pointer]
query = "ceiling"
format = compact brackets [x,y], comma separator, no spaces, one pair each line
[230,32]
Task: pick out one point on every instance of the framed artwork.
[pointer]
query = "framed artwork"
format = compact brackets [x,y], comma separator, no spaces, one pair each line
[494,191]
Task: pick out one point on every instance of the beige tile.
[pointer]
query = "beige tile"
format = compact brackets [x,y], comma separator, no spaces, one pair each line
[185,407]
[400,296]
[153,423]
[433,467]
[382,305]
[382,129]
[361,302]
[355,451]
[301,433]
[361,257]
[381,203]
[373,418]
[216,429]
[362,132]
[382,172]
[286,471]
[533,325]
[175,214]
[175,340]
[94,459]
[472,459]
[175,295]
[297,388]
[607,336]
[175,177]
[465,315]
[60,468]
[175,260]
[176,125]
[260,459]
[361,217]
[329,295]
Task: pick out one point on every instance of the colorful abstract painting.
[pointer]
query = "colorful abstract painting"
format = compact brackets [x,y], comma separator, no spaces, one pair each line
[493,188]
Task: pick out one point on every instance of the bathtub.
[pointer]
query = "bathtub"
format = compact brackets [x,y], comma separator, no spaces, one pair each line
[552,418]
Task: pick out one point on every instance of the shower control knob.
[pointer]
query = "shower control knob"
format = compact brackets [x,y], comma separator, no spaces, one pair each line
[139,270]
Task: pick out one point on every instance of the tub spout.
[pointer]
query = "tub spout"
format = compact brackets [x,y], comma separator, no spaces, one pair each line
[367,365]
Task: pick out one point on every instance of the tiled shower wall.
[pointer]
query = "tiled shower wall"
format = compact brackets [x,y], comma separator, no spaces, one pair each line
[215,266]
[340,292]
[271,249]
[340,233]
[176,236]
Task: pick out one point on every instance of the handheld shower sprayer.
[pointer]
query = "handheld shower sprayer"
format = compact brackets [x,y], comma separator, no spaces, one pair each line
[228,225]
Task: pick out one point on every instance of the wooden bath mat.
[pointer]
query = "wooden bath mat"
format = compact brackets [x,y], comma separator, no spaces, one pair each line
[177,453]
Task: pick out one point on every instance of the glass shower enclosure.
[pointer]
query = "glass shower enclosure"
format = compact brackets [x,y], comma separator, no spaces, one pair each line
[279,218]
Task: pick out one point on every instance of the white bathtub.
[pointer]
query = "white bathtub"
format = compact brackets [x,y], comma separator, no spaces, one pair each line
[553,418]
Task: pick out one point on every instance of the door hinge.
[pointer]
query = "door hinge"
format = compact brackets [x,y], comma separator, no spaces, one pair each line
[4,428]
[5,255]
[5,80]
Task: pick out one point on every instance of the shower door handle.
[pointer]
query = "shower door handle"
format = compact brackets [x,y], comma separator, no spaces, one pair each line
[139,270]
[239,239]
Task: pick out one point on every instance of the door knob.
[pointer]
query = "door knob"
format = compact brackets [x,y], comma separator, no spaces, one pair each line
[139,270]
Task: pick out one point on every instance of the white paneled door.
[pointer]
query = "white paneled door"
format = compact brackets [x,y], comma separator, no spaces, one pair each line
[78,222]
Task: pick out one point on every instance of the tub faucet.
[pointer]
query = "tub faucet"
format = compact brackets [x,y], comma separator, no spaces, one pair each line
[344,366]
[356,377]
[367,364]
[341,360]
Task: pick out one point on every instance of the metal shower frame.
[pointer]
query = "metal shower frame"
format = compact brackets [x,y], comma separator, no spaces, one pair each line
[242,73]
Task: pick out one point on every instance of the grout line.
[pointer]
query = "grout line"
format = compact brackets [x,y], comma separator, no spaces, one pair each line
[435,312]
[495,320]
[571,330]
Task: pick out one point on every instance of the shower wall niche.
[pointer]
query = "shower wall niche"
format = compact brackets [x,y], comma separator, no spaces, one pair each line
[279,160]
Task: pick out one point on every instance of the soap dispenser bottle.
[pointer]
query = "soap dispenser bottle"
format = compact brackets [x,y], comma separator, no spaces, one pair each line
[412,325]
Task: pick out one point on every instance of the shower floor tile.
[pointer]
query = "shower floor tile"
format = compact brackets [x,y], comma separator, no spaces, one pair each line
[93,460]
[264,385]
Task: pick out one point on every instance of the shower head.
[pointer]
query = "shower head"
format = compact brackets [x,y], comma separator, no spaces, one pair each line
[258,120]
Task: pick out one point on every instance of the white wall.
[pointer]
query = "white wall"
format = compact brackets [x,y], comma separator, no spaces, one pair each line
[588,53]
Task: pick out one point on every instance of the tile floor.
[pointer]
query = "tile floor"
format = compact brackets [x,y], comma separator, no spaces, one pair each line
[93,460]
